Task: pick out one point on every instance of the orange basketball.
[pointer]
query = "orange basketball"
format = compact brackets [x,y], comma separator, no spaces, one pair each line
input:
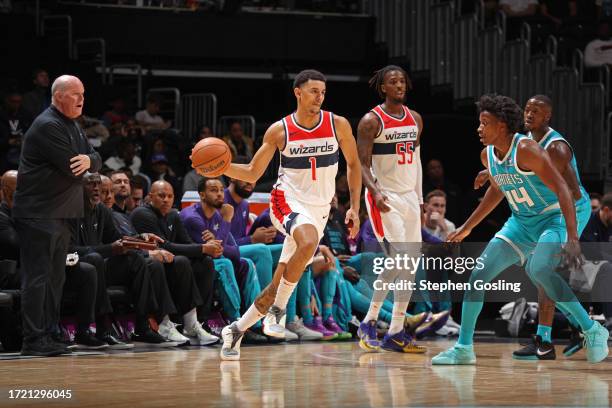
[211,156]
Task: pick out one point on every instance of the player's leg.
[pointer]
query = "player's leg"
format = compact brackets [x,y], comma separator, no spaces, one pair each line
[542,270]
[298,250]
[497,256]
[408,246]
[261,255]
[540,347]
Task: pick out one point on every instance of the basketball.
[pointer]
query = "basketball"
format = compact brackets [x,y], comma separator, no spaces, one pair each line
[212,156]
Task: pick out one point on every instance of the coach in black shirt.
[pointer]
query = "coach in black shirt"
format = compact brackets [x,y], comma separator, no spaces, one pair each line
[161,219]
[54,157]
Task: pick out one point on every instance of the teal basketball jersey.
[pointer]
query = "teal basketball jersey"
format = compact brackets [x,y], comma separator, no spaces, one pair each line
[527,195]
[553,136]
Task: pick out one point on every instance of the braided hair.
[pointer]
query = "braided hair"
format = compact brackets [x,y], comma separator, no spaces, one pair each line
[379,78]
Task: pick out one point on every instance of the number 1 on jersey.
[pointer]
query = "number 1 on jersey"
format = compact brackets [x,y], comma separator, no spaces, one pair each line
[313,167]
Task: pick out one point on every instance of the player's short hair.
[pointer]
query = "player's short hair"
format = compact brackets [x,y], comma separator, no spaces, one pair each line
[306,75]
[503,108]
[204,180]
[379,78]
[435,193]
[543,99]
[606,201]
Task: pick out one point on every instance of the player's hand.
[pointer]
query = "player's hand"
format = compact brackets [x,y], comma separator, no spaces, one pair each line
[263,235]
[80,164]
[572,254]
[313,306]
[213,248]
[330,259]
[459,234]
[117,248]
[351,274]
[227,212]
[481,179]
[149,237]
[207,236]
[352,222]
[380,200]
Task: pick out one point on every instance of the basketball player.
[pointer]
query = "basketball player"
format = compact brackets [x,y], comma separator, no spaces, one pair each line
[308,141]
[389,150]
[543,218]
[538,112]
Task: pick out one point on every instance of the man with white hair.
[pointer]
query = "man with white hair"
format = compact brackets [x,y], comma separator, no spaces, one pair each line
[54,157]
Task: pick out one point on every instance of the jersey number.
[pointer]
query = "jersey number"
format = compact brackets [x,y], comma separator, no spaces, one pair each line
[313,167]
[404,151]
[514,198]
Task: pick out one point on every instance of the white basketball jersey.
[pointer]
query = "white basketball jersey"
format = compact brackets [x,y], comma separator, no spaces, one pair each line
[309,162]
[393,164]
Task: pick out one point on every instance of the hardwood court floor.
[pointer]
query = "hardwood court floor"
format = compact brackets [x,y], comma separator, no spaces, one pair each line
[309,375]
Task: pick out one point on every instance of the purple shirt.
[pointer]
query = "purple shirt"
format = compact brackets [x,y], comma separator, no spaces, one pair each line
[263,220]
[240,221]
[195,223]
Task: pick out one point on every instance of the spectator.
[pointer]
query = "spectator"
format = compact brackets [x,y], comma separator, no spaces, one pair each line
[604,8]
[149,117]
[190,264]
[559,12]
[49,195]
[137,198]
[598,52]
[116,114]
[595,201]
[435,179]
[208,223]
[9,241]
[161,170]
[435,210]
[519,8]
[252,246]
[14,122]
[125,158]
[39,98]
[240,144]
[94,129]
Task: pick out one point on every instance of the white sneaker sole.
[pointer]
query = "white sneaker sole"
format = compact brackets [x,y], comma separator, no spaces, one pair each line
[194,341]
[274,330]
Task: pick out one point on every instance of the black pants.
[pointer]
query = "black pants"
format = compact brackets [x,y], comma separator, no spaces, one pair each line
[44,245]
[103,304]
[182,284]
[82,284]
[601,289]
[162,298]
[131,270]
[10,278]
[204,274]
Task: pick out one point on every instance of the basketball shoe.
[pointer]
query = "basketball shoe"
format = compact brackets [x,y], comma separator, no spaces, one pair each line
[401,342]
[536,349]
[232,337]
[274,322]
[368,340]
[458,354]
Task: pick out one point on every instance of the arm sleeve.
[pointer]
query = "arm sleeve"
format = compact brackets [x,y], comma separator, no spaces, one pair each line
[419,169]
[246,240]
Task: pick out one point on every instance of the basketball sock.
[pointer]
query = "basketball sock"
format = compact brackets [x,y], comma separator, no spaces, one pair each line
[190,319]
[545,333]
[249,318]
[328,291]
[398,317]
[373,311]
[283,293]
[578,313]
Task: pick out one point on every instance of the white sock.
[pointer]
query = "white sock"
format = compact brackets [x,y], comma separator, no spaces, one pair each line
[285,289]
[190,319]
[248,319]
[398,316]
[373,311]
